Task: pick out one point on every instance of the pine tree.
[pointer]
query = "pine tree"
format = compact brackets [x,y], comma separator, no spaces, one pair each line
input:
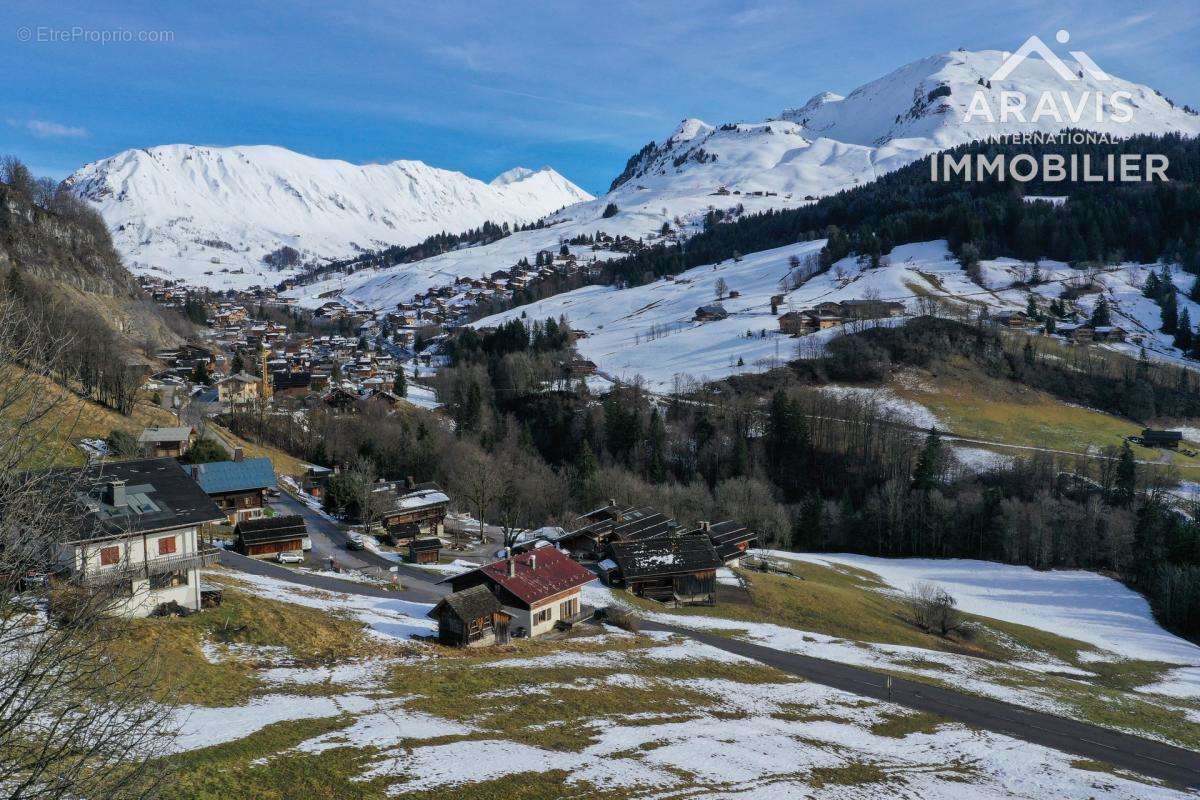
[656,445]
[1170,311]
[1183,332]
[786,444]
[1125,488]
[1101,316]
[400,383]
[238,364]
[928,471]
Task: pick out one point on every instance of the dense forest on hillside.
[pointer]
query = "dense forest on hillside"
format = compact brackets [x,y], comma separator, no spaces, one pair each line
[1102,222]
[58,268]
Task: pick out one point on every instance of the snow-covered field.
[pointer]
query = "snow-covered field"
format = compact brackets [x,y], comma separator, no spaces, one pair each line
[729,734]
[648,332]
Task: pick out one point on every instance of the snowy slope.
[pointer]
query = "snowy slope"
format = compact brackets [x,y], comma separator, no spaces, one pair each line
[647,330]
[183,211]
[829,144]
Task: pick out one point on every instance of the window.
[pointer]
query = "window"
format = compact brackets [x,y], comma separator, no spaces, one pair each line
[110,555]
[541,616]
[169,580]
[167,544]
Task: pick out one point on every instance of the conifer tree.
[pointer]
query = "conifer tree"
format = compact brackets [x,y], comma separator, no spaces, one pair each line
[928,472]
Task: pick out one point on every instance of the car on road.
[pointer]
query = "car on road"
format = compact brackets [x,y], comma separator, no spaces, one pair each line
[356,542]
[290,557]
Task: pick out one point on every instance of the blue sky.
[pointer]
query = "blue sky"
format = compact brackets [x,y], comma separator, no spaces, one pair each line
[481,87]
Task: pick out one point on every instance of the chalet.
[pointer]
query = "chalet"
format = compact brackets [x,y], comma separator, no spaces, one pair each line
[381,401]
[165,442]
[579,367]
[426,550]
[471,618]
[1156,438]
[730,539]
[872,309]
[417,511]
[238,389]
[794,323]
[1082,333]
[678,570]
[829,308]
[284,380]
[538,590]
[341,399]
[136,533]
[268,536]
[239,488]
[710,313]
[1013,319]
[1109,333]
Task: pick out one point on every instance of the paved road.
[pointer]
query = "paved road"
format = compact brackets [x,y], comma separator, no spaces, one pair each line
[1174,764]
[329,540]
[254,566]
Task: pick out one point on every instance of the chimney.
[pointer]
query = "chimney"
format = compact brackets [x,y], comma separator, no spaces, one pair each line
[705,526]
[114,493]
[533,561]
[238,454]
[512,568]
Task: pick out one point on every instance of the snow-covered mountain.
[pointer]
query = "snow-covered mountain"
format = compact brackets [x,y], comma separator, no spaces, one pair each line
[209,214]
[829,144]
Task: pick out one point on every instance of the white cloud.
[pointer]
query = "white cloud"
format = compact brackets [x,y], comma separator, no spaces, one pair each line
[49,130]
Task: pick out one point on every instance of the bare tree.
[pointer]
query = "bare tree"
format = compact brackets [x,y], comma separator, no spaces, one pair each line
[79,715]
[933,608]
[474,480]
[720,288]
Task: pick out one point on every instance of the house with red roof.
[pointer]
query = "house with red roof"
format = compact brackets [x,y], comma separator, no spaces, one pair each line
[538,589]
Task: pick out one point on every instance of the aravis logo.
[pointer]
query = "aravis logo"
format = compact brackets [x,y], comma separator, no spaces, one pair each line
[1035,45]
[1045,108]
[1075,101]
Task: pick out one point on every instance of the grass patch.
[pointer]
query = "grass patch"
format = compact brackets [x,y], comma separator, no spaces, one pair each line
[557,707]
[897,726]
[853,774]
[311,636]
[259,767]
[976,405]
[284,464]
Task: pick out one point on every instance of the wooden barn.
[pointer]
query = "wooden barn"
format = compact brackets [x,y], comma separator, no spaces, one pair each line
[425,550]
[471,618]
[267,536]
[676,570]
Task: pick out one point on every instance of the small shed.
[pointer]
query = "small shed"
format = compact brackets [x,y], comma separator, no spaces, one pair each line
[425,550]
[471,618]
[710,312]
[267,536]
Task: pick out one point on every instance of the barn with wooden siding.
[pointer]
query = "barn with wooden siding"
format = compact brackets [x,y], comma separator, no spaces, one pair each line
[677,570]
[425,550]
[471,618]
[730,539]
[267,536]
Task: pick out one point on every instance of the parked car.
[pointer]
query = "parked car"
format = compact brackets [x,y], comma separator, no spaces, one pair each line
[356,542]
[290,557]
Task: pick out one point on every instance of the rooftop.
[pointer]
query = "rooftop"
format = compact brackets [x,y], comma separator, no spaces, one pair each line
[671,555]
[539,574]
[234,476]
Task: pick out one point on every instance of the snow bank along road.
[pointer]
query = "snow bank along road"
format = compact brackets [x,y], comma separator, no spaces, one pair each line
[1155,759]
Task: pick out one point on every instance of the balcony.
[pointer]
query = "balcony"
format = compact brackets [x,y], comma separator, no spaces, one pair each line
[204,557]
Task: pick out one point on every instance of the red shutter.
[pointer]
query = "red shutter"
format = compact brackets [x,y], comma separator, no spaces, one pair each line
[110,555]
[166,545]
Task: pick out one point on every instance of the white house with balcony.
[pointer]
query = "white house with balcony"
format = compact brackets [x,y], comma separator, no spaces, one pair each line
[138,534]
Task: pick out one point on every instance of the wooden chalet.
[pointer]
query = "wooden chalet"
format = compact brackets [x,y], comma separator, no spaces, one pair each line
[419,511]
[539,589]
[677,570]
[730,539]
[267,536]
[710,313]
[426,550]
[472,617]
[165,442]
[239,488]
